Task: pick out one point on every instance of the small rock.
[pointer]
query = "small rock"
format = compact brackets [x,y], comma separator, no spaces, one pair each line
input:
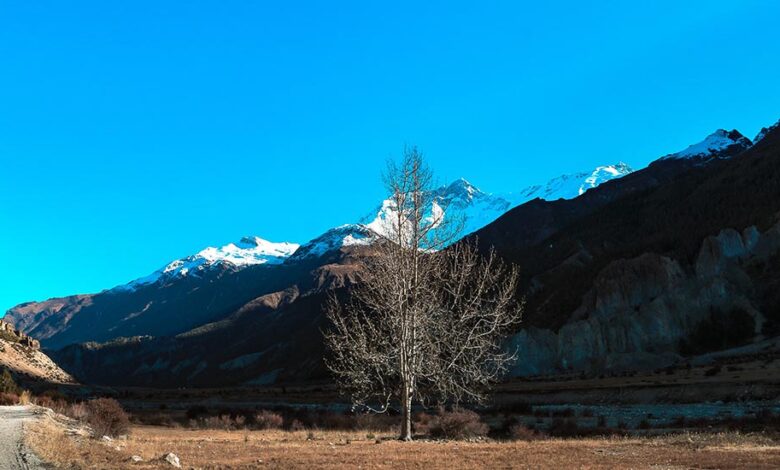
[137,458]
[107,439]
[173,460]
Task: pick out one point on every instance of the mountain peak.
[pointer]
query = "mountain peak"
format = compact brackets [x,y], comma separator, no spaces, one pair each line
[248,251]
[766,130]
[716,143]
[460,188]
[571,185]
[334,239]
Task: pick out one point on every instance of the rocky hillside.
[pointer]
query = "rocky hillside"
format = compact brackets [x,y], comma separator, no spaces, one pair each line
[677,259]
[21,355]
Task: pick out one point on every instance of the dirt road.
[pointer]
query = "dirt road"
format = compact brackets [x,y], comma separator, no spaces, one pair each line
[13,454]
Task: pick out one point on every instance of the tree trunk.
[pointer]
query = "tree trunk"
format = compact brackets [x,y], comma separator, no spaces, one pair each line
[406,414]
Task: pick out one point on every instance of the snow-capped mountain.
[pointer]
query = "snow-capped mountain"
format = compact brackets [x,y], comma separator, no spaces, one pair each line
[571,186]
[334,239]
[477,208]
[248,251]
[719,142]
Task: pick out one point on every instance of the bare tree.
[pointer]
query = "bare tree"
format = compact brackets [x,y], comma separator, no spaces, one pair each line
[425,324]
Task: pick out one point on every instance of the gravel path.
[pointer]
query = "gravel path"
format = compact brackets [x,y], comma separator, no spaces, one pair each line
[13,455]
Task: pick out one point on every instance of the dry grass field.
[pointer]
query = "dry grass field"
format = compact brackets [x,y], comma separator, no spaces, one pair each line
[210,449]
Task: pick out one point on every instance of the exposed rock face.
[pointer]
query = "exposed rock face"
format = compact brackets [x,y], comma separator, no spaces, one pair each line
[10,333]
[639,309]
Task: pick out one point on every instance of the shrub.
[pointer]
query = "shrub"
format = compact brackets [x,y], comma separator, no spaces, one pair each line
[107,417]
[457,424]
[25,398]
[78,411]
[239,422]
[296,425]
[422,423]
[519,432]
[7,383]
[219,422]
[268,420]
[8,399]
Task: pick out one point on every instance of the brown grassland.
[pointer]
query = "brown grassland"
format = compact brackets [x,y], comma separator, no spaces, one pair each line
[217,449]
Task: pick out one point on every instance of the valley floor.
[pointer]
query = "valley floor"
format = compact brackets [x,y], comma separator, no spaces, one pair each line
[333,449]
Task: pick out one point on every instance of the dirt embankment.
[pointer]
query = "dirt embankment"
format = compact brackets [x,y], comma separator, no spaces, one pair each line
[31,363]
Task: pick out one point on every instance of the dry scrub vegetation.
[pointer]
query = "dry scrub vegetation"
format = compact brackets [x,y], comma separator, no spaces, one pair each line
[273,448]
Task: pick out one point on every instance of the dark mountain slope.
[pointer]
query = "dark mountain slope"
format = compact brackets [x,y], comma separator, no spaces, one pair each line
[667,208]
[634,281]
[275,337]
[159,309]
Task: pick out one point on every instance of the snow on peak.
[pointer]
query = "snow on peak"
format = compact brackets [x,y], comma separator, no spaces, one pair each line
[248,251]
[476,208]
[603,174]
[460,198]
[460,188]
[336,238]
[764,131]
[715,143]
[570,186]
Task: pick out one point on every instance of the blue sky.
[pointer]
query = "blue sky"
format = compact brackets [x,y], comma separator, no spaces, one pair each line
[134,133]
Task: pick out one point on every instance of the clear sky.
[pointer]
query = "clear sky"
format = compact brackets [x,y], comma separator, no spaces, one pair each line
[136,132]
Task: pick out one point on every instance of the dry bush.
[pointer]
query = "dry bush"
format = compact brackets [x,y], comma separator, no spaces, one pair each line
[268,420]
[459,423]
[78,411]
[296,425]
[519,432]
[107,417]
[239,422]
[422,423]
[58,450]
[8,399]
[25,398]
[225,422]
[216,422]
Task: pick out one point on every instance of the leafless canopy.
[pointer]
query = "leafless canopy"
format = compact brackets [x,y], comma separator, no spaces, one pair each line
[426,324]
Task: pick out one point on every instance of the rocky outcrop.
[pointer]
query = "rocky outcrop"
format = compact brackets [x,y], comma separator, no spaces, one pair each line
[639,310]
[10,333]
